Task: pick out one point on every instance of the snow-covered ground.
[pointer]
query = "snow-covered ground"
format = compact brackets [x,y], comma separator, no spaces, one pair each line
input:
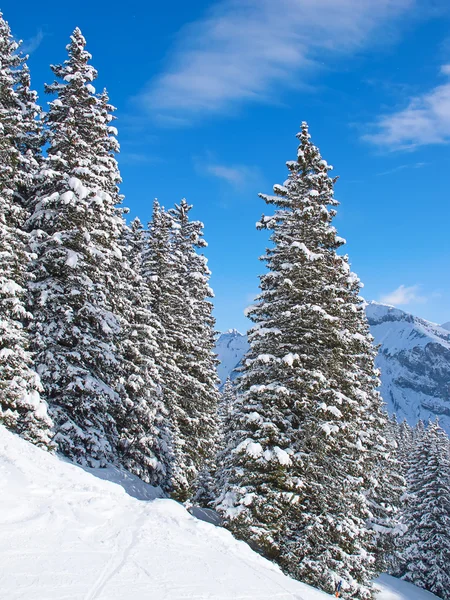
[66,534]
[390,588]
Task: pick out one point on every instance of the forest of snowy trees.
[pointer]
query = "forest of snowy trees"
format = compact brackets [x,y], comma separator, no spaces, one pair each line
[107,339]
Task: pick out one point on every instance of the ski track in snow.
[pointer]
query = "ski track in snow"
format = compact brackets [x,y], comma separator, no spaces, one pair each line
[119,555]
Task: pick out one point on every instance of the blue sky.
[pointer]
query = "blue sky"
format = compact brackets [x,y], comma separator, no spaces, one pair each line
[210,96]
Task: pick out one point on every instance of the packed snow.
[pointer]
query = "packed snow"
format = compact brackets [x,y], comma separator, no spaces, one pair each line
[390,588]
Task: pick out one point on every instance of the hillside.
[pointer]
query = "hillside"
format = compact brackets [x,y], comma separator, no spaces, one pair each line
[414,359]
[230,348]
[66,534]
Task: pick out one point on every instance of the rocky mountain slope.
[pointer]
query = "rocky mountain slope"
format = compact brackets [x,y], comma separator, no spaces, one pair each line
[414,359]
[230,348]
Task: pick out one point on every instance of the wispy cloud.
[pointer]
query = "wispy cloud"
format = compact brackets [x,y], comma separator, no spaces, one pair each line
[237,175]
[417,165]
[404,295]
[425,120]
[244,50]
[32,44]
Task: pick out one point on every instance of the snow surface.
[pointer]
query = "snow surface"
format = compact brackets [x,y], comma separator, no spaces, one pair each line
[68,535]
[390,588]
[446,326]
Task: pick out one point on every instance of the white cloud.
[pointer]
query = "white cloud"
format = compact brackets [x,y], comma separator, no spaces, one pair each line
[404,295]
[244,50]
[32,44]
[236,175]
[417,165]
[425,120]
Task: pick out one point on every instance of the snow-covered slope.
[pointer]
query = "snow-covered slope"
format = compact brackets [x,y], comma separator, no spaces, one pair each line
[65,534]
[230,348]
[414,359]
[389,588]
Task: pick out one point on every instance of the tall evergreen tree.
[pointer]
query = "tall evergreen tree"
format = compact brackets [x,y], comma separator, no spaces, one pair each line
[143,432]
[178,280]
[196,391]
[75,235]
[426,553]
[21,407]
[32,138]
[164,290]
[309,431]
[386,500]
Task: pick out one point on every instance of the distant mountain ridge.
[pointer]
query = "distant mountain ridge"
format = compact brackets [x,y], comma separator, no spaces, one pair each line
[231,346]
[414,359]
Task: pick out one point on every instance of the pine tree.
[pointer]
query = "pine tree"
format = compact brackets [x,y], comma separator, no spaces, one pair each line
[143,435]
[196,391]
[164,290]
[75,236]
[385,499]
[32,138]
[309,431]
[225,410]
[404,446]
[21,407]
[426,554]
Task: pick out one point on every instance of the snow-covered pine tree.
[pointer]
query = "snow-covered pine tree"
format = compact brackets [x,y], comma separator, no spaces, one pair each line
[225,410]
[164,290]
[75,236]
[386,499]
[404,438]
[32,139]
[196,392]
[310,426]
[426,554]
[21,408]
[143,436]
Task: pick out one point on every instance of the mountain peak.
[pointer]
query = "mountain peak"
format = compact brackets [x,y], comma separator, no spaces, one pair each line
[235,332]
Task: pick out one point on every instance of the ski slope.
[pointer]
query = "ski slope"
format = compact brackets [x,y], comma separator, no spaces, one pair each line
[66,534]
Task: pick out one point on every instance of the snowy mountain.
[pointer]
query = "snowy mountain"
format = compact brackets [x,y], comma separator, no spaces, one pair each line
[414,359]
[66,533]
[230,348]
